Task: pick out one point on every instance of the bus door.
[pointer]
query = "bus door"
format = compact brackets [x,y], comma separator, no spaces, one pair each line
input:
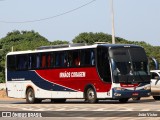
[103,64]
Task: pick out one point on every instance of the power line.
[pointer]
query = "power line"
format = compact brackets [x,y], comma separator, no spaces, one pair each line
[47,18]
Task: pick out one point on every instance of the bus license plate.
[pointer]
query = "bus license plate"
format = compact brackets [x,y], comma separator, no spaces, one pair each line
[135,94]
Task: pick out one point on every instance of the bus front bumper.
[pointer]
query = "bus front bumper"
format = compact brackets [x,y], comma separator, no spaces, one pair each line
[117,94]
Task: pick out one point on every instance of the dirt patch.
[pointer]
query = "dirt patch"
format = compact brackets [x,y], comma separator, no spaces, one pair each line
[3,94]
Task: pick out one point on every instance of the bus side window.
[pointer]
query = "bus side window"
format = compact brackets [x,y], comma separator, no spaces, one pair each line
[76,58]
[32,61]
[88,57]
[43,59]
[26,61]
[21,62]
[49,60]
[11,62]
[61,59]
[29,62]
[70,59]
[52,60]
[57,60]
[92,58]
[38,61]
[65,59]
[77,61]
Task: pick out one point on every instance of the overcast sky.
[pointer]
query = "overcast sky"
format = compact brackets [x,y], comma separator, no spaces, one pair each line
[135,20]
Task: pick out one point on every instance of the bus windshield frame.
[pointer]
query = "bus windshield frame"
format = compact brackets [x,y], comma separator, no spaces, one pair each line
[129,65]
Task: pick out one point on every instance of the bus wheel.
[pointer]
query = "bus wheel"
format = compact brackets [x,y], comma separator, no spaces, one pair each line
[123,100]
[30,96]
[136,98]
[58,100]
[91,96]
[156,97]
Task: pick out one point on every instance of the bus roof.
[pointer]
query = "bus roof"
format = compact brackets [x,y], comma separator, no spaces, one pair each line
[71,48]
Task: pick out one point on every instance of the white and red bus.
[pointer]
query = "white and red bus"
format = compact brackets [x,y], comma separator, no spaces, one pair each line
[92,72]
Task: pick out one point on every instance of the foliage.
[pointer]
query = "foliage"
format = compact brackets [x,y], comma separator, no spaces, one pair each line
[24,40]
[58,42]
[91,38]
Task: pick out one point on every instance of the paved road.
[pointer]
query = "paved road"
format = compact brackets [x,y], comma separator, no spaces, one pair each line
[106,108]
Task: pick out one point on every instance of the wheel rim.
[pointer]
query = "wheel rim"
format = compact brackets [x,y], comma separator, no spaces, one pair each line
[30,96]
[91,94]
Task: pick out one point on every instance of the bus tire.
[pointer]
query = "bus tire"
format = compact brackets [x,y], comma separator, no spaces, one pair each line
[156,97]
[30,97]
[91,96]
[123,100]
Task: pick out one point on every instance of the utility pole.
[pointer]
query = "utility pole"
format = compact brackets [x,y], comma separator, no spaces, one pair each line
[12,48]
[112,16]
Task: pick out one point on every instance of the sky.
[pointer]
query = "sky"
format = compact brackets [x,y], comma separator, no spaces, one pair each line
[135,20]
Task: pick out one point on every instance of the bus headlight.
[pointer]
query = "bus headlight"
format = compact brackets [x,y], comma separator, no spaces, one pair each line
[147,88]
[119,88]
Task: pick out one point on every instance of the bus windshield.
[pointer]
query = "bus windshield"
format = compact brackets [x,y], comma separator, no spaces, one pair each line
[129,65]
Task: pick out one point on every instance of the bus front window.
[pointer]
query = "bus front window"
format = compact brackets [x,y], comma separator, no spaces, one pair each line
[122,68]
[129,65]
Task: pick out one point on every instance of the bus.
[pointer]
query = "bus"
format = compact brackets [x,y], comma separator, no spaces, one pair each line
[76,71]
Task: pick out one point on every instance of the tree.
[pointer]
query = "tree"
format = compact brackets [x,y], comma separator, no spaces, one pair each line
[58,42]
[21,40]
[91,38]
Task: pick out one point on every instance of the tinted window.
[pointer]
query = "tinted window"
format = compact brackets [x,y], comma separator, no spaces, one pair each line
[32,61]
[60,59]
[88,57]
[11,62]
[21,61]
[46,60]
[74,58]
[103,64]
